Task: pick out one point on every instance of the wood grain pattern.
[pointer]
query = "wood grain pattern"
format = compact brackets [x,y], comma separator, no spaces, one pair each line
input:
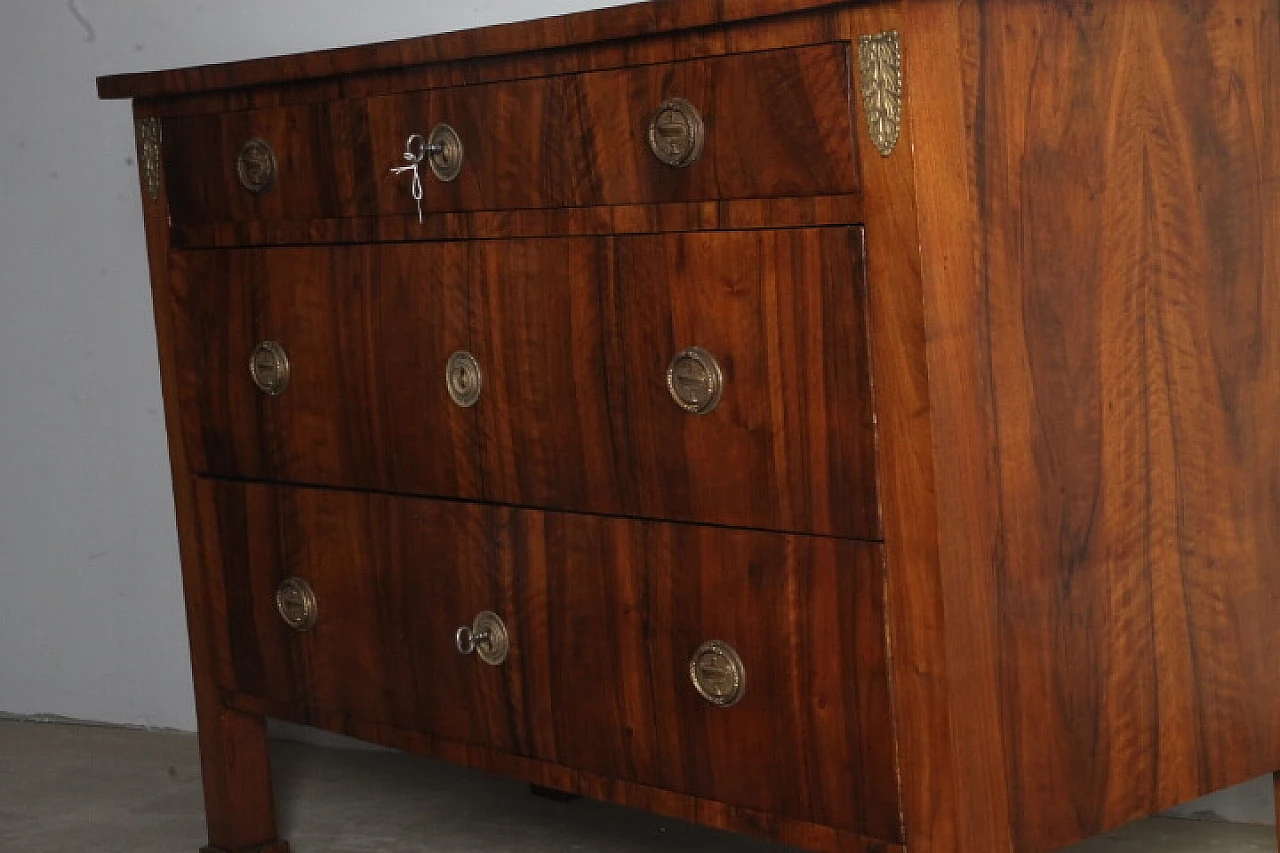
[603,614]
[781,830]
[234,761]
[635,22]
[368,334]
[574,337]
[733,215]
[796,29]
[325,164]
[565,141]
[790,445]
[541,337]
[1066,318]
[924,713]
[579,140]
[1103,356]
[628,604]
[393,581]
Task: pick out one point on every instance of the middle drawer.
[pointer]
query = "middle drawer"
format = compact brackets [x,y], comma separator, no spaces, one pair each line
[717,377]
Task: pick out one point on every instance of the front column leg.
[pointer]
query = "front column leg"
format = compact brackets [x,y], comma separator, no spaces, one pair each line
[238,798]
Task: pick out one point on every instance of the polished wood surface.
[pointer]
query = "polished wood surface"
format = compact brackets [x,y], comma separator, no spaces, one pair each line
[895,316]
[325,165]
[782,830]
[234,760]
[818,25]
[574,338]
[791,444]
[1101,284]
[579,140]
[393,581]
[603,616]
[736,215]
[368,334]
[1031,351]
[572,140]
[633,22]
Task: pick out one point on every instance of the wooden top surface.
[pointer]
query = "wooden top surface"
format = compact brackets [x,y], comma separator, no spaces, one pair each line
[621,22]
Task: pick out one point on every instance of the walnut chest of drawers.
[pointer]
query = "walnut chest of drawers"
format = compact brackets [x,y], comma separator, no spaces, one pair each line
[850,423]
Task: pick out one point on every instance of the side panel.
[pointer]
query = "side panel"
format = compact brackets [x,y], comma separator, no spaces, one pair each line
[1102,296]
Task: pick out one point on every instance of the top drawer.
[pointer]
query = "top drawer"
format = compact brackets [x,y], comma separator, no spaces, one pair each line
[774,124]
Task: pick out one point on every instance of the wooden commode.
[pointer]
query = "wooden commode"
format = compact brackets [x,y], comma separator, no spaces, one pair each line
[851,423]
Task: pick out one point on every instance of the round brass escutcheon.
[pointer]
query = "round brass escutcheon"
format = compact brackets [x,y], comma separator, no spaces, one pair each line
[487,638]
[296,604]
[256,166]
[269,367]
[677,133]
[695,381]
[718,674]
[446,153]
[465,379]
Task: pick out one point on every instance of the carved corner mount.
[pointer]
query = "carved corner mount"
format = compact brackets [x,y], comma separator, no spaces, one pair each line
[148,130]
[880,61]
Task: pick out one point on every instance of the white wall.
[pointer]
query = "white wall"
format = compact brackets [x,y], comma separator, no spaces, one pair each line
[91,618]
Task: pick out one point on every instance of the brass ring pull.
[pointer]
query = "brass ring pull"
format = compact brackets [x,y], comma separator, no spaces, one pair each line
[487,638]
[677,133]
[695,381]
[296,604]
[718,674]
[464,379]
[269,368]
[256,166]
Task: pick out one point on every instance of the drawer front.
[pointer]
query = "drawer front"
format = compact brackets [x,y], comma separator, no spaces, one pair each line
[366,334]
[392,581]
[774,124]
[577,344]
[604,618]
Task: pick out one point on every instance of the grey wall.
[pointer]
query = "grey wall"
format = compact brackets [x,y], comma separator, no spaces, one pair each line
[91,619]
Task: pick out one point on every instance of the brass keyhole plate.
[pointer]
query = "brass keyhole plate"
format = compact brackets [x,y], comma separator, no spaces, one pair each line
[677,133]
[269,367]
[447,153]
[718,674]
[296,604]
[256,166]
[464,379]
[695,381]
[496,643]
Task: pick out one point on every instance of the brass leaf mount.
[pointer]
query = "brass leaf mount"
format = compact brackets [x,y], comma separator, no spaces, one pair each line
[880,61]
[148,131]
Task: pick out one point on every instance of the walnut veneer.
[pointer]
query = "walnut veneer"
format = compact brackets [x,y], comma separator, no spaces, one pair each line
[988,509]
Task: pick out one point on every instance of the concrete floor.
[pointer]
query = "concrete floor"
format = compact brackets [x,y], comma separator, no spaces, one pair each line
[72,788]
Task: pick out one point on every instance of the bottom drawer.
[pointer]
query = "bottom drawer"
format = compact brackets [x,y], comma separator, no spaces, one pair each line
[616,629]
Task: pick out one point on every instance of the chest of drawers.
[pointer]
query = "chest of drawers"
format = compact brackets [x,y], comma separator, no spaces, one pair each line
[848,423]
